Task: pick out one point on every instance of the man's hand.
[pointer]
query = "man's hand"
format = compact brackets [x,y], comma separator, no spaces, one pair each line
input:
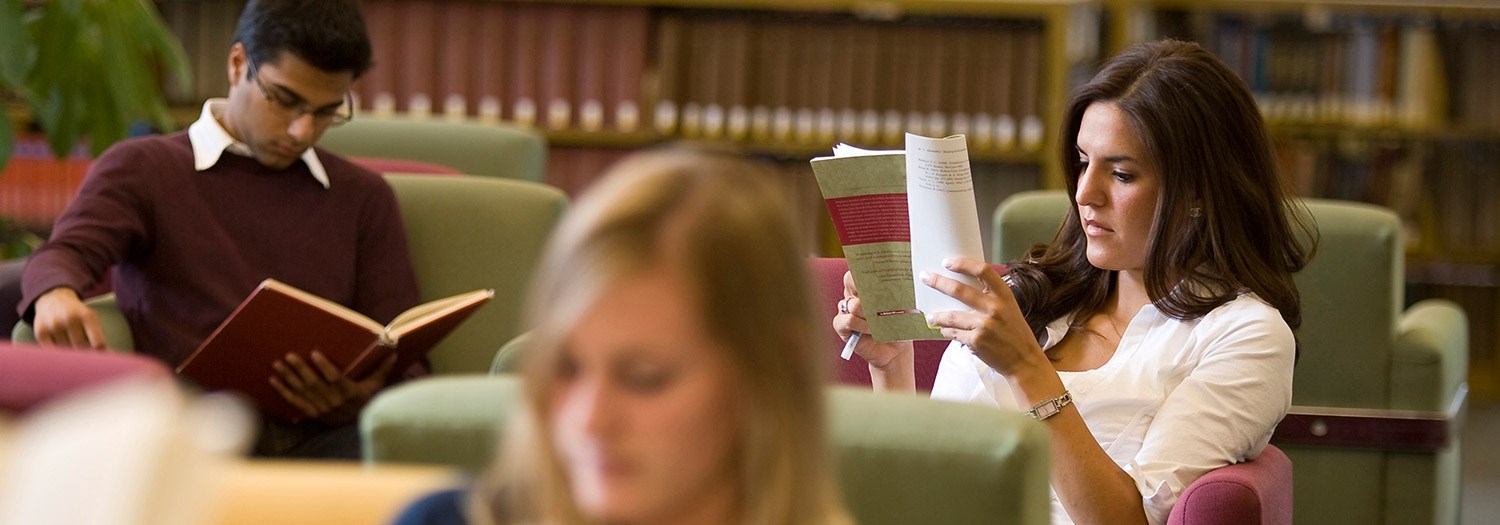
[323,392]
[63,320]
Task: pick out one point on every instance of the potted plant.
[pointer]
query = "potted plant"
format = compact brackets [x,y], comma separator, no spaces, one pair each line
[85,69]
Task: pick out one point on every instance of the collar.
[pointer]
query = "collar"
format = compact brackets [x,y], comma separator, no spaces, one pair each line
[210,140]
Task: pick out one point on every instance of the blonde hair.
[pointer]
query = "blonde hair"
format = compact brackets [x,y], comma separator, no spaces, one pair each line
[718,219]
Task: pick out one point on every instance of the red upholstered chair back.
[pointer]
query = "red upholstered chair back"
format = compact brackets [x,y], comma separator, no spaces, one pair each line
[32,375]
[828,281]
[384,165]
[1258,491]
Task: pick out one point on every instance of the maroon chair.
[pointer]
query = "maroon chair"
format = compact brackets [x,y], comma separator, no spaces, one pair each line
[828,281]
[32,375]
[1254,492]
[384,165]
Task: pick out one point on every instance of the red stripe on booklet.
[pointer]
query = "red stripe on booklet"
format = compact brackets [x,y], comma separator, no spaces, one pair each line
[865,219]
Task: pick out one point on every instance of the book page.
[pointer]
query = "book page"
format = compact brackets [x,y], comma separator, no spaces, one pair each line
[424,313]
[944,219]
[865,194]
[326,305]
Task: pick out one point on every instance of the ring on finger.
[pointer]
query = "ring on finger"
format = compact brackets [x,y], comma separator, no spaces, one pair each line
[844,306]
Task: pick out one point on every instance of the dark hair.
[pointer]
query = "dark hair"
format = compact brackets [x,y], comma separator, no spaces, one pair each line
[1202,127]
[329,34]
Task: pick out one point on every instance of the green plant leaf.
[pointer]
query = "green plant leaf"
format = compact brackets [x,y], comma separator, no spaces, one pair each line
[7,139]
[62,138]
[13,48]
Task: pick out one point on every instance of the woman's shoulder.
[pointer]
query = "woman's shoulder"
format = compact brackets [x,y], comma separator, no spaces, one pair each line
[1248,314]
[438,508]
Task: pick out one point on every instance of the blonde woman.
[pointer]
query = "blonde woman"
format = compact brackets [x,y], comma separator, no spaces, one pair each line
[673,376]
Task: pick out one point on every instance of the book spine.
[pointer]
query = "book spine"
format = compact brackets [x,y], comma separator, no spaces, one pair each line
[493,56]
[382,20]
[670,57]
[525,31]
[592,52]
[418,69]
[629,30]
[558,63]
[455,52]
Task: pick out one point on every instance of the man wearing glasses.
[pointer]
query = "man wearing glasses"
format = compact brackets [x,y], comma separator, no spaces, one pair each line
[193,221]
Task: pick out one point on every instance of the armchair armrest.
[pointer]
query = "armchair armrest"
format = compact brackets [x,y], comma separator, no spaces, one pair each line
[1430,357]
[1258,491]
[452,420]
[117,334]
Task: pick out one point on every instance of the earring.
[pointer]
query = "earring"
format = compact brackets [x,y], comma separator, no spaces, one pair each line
[1195,212]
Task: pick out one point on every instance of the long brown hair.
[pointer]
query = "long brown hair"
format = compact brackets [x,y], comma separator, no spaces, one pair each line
[716,217]
[1200,124]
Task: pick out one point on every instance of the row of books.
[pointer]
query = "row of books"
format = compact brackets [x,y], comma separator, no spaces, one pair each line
[556,66]
[762,77]
[1354,69]
[1443,191]
[1361,70]
[818,79]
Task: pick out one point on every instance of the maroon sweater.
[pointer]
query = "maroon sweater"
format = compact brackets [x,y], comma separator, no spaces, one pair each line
[189,245]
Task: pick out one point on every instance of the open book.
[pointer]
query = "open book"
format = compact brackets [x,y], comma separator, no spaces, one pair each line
[899,213]
[278,319]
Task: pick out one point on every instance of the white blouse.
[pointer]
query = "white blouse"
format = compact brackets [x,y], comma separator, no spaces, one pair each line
[1176,400]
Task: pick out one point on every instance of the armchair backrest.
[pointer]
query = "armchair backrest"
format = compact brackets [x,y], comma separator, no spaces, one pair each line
[901,459]
[467,233]
[492,150]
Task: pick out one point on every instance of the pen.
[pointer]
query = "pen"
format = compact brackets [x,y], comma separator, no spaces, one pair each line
[849,345]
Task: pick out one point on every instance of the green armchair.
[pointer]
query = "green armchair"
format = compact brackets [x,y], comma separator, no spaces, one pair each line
[464,233]
[116,329]
[491,150]
[476,232]
[901,458]
[1378,394]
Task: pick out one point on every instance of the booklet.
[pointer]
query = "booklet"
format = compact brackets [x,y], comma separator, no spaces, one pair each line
[899,213]
[278,319]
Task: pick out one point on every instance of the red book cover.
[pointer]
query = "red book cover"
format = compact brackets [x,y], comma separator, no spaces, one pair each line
[278,319]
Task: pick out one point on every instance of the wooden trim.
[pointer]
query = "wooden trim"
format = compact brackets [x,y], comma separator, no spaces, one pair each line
[1392,430]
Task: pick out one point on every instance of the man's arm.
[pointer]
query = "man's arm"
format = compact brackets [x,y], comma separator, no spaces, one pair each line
[107,218]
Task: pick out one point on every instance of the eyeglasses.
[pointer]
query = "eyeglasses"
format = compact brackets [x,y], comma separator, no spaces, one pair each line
[294,108]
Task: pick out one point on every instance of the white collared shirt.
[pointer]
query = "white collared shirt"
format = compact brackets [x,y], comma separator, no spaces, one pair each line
[210,140]
[1177,398]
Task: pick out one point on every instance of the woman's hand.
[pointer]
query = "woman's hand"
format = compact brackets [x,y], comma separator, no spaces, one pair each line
[995,330]
[852,319]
